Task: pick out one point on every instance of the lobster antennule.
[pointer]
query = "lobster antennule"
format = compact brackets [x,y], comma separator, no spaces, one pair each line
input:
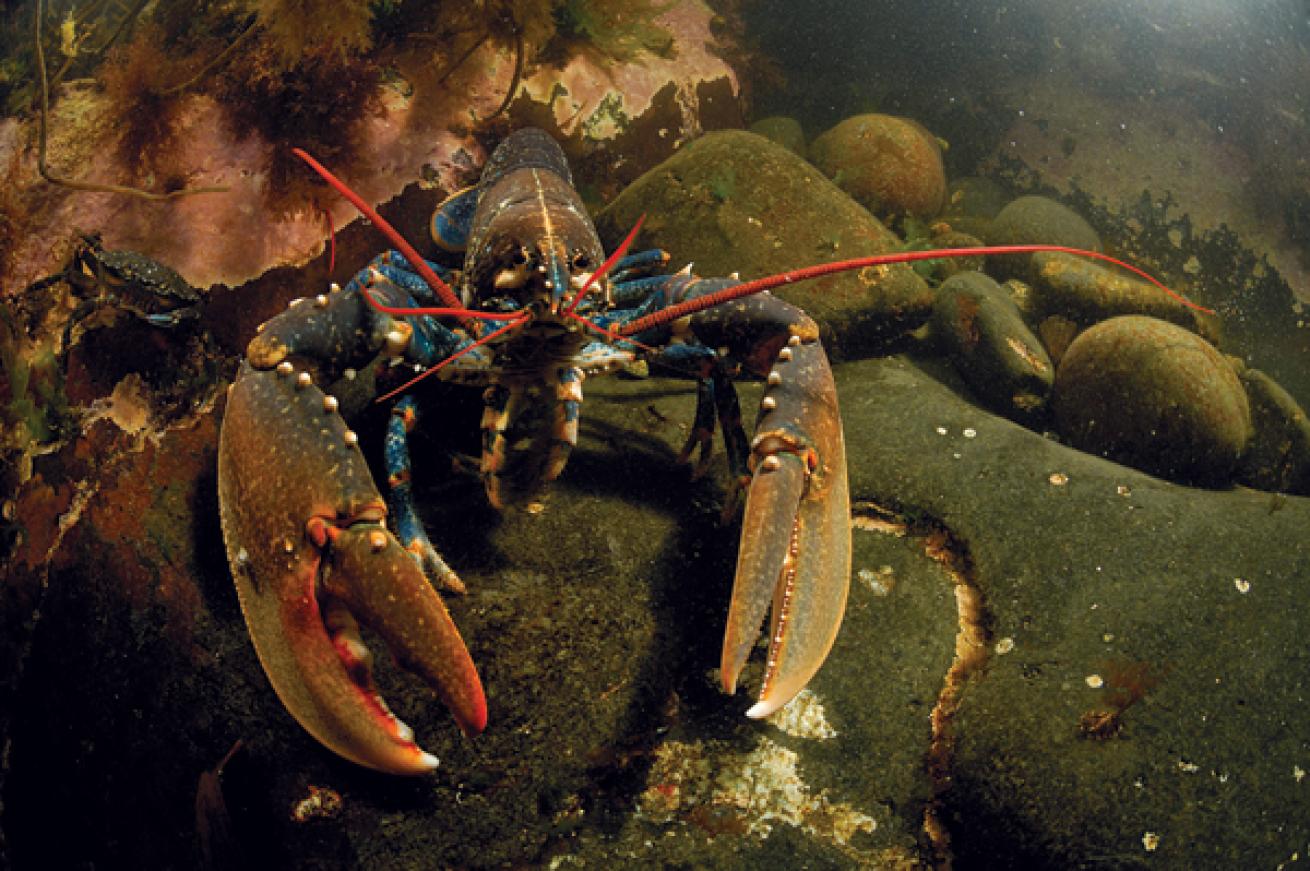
[606,266]
[747,288]
[434,281]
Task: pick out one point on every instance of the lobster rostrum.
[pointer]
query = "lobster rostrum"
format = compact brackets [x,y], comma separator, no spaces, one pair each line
[535,310]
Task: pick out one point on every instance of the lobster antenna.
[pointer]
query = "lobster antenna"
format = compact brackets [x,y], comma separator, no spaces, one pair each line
[415,259]
[747,288]
[606,266]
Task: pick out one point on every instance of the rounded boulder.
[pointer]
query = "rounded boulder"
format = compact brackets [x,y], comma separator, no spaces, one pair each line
[1154,396]
[892,166]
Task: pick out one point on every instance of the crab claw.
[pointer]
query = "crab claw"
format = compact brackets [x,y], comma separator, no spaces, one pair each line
[796,538]
[303,524]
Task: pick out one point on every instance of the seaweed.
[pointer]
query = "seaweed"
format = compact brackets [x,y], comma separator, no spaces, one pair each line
[36,410]
[297,29]
[70,43]
[619,29]
[138,81]
[317,105]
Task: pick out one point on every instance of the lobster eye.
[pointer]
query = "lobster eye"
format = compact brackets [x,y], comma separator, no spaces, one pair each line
[581,261]
[520,257]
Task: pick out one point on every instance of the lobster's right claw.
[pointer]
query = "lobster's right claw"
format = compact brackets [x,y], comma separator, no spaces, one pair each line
[796,537]
[303,524]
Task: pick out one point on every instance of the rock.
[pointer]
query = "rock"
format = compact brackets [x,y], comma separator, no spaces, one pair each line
[734,201]
[783,130]
[971,204]
[1085,291]
[1034,220]
[1155,396]
[891,166]
[596,626]
[1057,332]
[944,236]
[1278,457]
[1102,590]
[978,327]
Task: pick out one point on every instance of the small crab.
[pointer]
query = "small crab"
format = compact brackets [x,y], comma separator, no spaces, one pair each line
[124,281]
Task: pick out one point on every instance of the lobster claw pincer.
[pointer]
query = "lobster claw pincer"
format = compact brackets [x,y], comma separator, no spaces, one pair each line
[303,524]
[796,539]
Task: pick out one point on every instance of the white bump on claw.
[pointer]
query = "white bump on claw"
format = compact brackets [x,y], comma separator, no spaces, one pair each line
[334,288]
[284,368]
[304,379]
[329,403]
[794,341]
[351,438]
[775,378]
[784,355]
[377,540]
[768,403]
[771,463]
[321,300]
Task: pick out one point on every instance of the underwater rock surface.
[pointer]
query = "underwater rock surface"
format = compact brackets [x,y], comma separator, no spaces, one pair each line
[1155,396]
[734,201]
[891,166]
[1047,656]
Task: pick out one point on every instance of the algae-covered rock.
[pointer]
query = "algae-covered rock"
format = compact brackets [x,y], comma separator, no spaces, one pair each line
[1155,396]
[1086,291]
[946,236]
[734,201]
[976,324]
[1278,457]
[1034,220]
[891,165]
[1175,614]
[783,130]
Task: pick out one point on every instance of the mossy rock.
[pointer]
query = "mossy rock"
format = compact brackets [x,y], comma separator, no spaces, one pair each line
[977,325]
[892,166]
[1154,396]
[735,202]
[783,130]
[1034,220]
[1086,292]
[1278,457]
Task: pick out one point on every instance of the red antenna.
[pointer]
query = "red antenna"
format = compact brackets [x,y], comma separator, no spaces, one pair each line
[747,288]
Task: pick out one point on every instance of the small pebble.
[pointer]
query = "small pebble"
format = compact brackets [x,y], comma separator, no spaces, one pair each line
[1242,584]
[1095,681]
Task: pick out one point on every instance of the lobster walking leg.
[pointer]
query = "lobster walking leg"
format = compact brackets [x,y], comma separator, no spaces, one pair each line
[400,498]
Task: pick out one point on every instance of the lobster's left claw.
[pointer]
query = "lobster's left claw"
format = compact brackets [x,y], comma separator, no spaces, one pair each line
[796,537]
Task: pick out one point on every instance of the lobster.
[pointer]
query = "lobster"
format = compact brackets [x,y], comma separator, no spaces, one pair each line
[537,308]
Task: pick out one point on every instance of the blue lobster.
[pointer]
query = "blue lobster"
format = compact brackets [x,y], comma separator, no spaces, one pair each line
[307,531]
